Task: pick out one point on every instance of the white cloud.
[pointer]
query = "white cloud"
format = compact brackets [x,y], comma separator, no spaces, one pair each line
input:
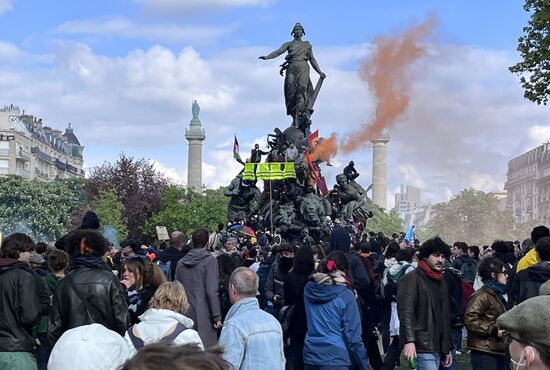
[178,176]
[125,28]
[5,6]
[467,115]
[539,134]
[185,7]
[9,51]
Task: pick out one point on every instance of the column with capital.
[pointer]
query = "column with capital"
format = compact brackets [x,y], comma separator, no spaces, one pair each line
[379,168]
[195,135]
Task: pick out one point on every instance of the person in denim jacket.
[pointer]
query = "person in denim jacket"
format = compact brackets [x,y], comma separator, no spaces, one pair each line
[251,338]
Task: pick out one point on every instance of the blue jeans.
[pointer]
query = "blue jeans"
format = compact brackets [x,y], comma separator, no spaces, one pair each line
[487,361]
[428,361]
[456,337]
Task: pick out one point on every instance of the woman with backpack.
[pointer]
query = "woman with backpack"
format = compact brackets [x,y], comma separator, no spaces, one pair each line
[390,281]
[333,339]
[488,347]
[164,321]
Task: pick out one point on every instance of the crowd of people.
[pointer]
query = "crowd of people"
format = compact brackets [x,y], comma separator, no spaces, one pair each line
[224,299]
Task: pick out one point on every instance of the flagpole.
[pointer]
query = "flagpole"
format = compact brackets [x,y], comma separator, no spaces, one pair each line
[271,207]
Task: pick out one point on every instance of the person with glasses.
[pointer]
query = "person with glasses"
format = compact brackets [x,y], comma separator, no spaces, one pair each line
[526,329]
[485,341]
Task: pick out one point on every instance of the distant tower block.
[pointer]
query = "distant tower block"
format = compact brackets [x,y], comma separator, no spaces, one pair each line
[379,175]
[195,135]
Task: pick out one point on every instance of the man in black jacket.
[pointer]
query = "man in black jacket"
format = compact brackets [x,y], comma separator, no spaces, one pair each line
[423,309]
[527,282]
[90,292]
[19,304]
[174,252]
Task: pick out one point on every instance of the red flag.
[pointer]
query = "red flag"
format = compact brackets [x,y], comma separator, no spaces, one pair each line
[313,138]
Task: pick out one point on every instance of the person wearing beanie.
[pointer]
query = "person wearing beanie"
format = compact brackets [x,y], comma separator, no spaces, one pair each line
[199,273]
[423,309]
[90,221]
[530,259]
[527,326]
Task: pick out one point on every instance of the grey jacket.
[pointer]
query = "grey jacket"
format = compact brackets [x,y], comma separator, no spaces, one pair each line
[198,272]
[275,282]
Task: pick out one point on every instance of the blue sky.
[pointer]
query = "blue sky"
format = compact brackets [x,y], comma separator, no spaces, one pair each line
[124,73]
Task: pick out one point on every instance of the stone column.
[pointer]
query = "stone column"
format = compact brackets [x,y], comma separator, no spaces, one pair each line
[195,135]
[379,175]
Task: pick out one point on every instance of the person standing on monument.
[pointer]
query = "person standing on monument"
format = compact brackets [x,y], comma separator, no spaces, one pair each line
[298,87]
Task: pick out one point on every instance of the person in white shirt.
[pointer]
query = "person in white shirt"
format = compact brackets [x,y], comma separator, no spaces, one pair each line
[164,321]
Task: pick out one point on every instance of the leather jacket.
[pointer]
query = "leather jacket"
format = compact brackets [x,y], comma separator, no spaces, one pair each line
[480,319]
[19,306]
[421,304]
[103,293]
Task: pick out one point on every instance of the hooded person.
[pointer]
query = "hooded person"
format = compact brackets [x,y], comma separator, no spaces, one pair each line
[89,347]
[90,221]
[527,282]
[199,273]
[340,240]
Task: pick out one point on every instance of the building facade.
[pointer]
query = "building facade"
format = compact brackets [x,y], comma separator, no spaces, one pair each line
[34,151]
[528,185]
[410,208]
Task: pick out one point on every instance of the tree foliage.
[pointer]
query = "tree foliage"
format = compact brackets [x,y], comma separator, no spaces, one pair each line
[137,184]
[42,210]
[110,209]
[472,216]
[186,210]
[388,223]
[534,47]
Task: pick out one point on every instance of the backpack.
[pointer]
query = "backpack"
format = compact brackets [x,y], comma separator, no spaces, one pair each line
[468,271]
[467,293]
[166,339]
[389,290]
[166,268]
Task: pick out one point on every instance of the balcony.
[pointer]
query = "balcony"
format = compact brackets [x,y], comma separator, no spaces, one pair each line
[23,155]
[41,174]
[24,173]
[4,152]
[41,155]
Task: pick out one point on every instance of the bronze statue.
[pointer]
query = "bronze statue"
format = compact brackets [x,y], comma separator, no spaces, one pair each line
[299,92]
[354,200]
[242,193]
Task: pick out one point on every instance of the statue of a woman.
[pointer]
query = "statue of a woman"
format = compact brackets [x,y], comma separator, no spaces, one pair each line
[298,87]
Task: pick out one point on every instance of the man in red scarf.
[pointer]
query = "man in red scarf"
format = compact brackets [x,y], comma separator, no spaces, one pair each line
[423,309]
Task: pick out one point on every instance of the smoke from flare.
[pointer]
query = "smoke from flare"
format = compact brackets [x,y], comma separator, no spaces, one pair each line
[325,149]
[385,72]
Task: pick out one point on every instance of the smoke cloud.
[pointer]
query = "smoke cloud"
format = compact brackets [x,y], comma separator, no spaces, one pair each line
[325,149]
[386,74]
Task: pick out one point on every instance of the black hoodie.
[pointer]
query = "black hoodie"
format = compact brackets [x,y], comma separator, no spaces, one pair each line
[527,282]
[19,306]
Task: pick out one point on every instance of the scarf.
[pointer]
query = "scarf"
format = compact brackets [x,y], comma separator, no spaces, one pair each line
[495,286]
[431,274]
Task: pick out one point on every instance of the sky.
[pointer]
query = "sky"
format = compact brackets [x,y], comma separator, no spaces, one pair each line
[124,74]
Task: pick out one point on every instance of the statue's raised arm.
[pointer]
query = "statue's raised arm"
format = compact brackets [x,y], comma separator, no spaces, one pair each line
[298,87]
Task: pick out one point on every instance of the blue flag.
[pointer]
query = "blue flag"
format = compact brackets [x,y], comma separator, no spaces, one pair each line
[410,234]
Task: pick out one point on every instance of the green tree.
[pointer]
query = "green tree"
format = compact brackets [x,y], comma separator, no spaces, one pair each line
[186,210]
[534,47]
[110,209]
[472,216]
[388,223]
[43,210]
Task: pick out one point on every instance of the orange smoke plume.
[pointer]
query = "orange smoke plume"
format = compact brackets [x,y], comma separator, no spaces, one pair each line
[385,72]
[325,149]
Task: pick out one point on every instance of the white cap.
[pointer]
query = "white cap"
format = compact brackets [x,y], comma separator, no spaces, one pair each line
[89,347]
